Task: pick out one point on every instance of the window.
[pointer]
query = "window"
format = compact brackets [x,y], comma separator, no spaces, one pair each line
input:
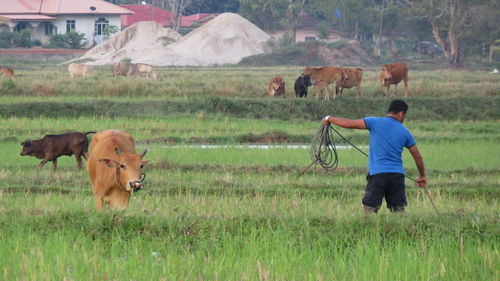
[49,28]
[100,26]
[20,26]
[70,25]
[310,38]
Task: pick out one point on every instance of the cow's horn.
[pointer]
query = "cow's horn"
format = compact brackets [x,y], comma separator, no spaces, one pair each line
[117,150]
[144,153]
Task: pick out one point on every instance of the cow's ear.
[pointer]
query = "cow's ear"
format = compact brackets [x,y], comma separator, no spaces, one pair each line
[143,153]
[144,162]
[108,163]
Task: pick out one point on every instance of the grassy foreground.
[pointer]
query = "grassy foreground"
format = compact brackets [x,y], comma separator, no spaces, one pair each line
[240,213]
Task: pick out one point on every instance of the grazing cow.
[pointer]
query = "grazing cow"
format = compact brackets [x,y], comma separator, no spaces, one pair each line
[277,87]
[353,78]
[7,72]
[124,69]
[146,68]
[301,85]
[327,74]
[77,69]
[115,169]
[392,74]
[50,147]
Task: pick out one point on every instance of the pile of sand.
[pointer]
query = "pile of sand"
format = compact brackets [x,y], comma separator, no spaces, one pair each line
[147,37]
[224,40]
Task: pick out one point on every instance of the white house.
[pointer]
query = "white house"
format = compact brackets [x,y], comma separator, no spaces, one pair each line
[46,17]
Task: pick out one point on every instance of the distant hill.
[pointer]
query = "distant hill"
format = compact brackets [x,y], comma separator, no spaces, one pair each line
[340,53]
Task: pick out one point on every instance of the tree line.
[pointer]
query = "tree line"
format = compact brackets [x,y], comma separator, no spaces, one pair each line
[461,28]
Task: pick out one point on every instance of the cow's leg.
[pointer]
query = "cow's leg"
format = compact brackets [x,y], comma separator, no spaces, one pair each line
[44,161]
[85,155]
[98,202]
[79,161]
[54,164]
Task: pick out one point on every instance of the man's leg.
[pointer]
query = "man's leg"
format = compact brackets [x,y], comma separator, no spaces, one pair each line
[395,193]
[374,192]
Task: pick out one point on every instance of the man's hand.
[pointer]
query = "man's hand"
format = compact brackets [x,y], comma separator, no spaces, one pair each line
[326,120]
[421,181]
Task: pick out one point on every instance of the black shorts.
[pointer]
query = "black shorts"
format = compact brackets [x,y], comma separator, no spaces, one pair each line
[388,185]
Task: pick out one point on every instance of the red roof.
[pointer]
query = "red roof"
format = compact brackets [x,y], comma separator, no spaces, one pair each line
[201,18]
[58,7]
[27,17]
[146,13]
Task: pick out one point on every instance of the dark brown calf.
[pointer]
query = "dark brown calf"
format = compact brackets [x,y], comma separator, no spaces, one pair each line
[50,147]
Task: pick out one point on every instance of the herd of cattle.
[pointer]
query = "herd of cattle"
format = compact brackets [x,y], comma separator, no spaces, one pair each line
[320,78]
[342,77]
[116,169]
[119,69]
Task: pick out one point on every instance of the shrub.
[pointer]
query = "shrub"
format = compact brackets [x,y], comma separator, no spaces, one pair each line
[70,40]
[6,39]
[23,39]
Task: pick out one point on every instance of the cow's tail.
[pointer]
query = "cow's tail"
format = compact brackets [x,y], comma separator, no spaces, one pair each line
[89,132]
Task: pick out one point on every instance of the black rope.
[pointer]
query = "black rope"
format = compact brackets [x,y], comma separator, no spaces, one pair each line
[324,152]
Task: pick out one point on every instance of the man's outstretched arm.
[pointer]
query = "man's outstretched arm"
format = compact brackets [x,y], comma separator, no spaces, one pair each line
[419,161]
[345,123]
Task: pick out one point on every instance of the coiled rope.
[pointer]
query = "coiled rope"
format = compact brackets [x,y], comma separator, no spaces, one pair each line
[324,152]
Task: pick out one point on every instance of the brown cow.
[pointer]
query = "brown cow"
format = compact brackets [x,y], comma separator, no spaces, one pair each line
[50,147]
[124,69]
[392,74]
[328,74]
[277,87]
[115,169]
[77,69]
[7,72]
[353,78]
[146,68]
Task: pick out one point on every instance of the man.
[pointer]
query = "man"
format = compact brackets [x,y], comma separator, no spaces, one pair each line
[388,136]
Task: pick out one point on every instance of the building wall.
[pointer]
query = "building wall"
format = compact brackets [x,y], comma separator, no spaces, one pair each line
[83,24]
[302,34]
[86,25]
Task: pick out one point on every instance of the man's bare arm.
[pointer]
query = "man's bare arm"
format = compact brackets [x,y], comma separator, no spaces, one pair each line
[419,161]
[345,123]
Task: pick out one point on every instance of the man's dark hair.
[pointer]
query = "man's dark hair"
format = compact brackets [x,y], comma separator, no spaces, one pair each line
[397,106]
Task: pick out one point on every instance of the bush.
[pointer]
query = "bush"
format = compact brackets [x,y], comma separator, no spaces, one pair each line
[23,39]
[70,40]
[15,39]
[6,39]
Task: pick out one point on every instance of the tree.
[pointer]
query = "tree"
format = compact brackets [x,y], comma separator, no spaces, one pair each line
[449,20]
[177,7]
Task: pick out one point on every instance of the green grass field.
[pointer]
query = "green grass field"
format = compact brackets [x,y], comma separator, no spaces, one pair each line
[234,212]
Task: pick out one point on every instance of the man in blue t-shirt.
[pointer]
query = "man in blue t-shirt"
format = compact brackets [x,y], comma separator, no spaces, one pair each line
[388,137]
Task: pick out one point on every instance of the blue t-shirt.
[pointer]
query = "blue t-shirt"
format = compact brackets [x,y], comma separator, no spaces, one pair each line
[388,136]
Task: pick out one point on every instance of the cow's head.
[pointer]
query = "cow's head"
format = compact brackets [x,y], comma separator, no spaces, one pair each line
[277,83]
[28,148]
[306,80]
[128,167]
[343,74]
[154,74]
[308,71]
[386,74]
